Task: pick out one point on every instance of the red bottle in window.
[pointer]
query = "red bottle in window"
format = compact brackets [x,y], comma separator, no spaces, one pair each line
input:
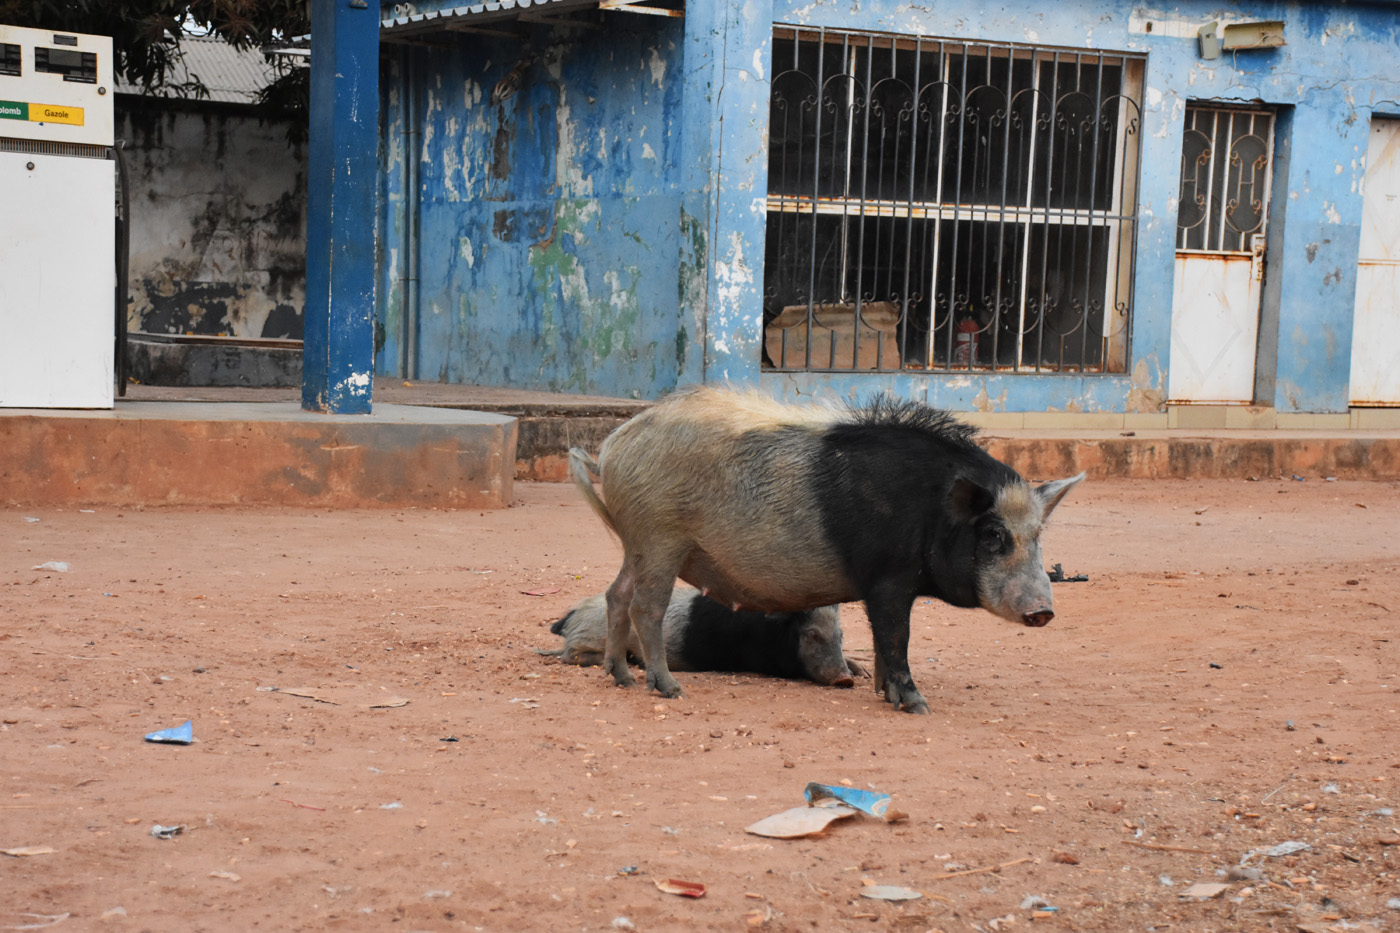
[965,349]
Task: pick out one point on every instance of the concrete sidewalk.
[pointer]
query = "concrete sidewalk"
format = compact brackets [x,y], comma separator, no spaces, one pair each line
[463,446]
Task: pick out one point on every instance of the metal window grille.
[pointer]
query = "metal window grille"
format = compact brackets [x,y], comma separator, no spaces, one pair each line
[1225,178]
[946,206]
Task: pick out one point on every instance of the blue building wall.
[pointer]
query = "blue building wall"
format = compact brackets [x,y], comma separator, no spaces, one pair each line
[550,232]
[618,248]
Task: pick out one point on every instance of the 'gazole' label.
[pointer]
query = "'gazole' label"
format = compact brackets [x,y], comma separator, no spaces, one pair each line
[40,113]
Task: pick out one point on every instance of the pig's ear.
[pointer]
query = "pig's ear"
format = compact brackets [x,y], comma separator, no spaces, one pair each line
[1052,492]
[967,500]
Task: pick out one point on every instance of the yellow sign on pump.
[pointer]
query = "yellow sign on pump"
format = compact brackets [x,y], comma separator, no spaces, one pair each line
[55,113]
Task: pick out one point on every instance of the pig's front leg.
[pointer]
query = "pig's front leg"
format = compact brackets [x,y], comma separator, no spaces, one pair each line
[888,607]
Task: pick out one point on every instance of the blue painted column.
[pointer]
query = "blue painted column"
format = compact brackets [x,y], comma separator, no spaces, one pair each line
[728,49]
[338,349]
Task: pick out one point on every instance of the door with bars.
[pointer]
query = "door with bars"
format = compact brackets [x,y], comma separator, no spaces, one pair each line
[1222,216]
[947,206]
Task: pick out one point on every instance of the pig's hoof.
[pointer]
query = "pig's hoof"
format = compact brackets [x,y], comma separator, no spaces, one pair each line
[905,696]
[620,674]
[666,686]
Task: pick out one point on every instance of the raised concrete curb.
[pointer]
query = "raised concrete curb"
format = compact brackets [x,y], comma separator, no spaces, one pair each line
[1197,455]
[264,453]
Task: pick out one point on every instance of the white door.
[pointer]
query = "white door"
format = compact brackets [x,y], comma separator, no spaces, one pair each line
[1226,158]
[1375,338]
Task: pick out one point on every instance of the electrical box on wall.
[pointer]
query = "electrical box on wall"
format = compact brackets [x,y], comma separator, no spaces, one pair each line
[1239,36]
[58,235]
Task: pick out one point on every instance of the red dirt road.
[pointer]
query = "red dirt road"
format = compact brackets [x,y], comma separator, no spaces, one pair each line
[1138,744]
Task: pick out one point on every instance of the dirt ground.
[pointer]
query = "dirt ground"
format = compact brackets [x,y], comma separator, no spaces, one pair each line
[1226,681]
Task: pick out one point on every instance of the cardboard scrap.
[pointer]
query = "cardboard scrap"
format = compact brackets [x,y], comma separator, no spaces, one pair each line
[1205,889]
[800,821]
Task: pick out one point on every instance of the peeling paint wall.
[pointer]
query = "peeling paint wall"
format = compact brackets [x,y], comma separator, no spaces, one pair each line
[218,222]
[553,244]
[601,227]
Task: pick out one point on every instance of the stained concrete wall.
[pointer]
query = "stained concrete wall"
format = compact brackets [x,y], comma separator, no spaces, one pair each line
[545,177]
[218,211]
[594,310]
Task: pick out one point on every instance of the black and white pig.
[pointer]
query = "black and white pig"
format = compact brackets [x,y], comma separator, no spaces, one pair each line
[702,635]
[775,508]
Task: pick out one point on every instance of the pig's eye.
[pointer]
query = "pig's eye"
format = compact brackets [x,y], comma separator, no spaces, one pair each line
[996,540]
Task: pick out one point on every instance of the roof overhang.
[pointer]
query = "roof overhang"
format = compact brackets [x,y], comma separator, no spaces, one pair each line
[482,16]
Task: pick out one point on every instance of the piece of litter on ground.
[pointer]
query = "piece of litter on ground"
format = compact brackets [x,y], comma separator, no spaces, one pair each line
[1205,889]
[57,566]
[1278,851]
[112,913]
[166,832]
[396,805]
[681,888]
[359,696]
[175,735]
[27,851]
[1033,902]
[1393,903]
[29,519]
[1057,575]
[225,875]
[541,591]
[305,693]
[890,892]
[799,821]
[40,921]
[872,802]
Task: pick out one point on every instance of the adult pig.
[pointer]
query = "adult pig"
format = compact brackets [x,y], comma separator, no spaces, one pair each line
[784,508]
[702,635]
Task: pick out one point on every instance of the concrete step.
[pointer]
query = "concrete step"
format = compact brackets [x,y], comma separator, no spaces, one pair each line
[256,453]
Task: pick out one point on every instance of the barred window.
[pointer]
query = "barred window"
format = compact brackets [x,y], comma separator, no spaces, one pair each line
[946,206]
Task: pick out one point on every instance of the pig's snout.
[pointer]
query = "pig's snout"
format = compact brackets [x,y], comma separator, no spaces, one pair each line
[844,682]
[1038,618]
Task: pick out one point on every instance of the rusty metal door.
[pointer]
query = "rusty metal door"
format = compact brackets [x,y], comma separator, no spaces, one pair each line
[1226,174]
[1375,375]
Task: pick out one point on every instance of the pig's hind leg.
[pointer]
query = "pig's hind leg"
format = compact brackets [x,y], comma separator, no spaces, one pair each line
[654,565]
[619,600]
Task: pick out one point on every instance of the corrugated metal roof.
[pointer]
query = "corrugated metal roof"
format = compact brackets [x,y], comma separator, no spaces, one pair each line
[231,76]
[478,14]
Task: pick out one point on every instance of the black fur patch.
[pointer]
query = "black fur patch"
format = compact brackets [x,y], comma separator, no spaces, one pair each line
[887,411]
[558,627]
[885,482]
